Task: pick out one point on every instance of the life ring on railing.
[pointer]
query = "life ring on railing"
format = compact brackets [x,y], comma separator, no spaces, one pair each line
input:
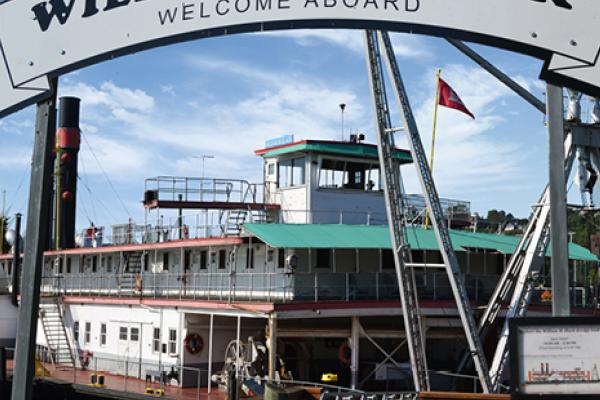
[84,358]
[193,343]
[345,353]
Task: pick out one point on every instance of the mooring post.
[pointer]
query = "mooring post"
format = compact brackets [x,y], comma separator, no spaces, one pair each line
[38,223]
[558,202]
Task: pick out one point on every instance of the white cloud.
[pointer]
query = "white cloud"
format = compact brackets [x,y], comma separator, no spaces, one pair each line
[405,45]
[168,89]
[109,95]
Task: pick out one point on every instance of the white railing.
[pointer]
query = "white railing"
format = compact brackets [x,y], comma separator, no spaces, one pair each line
[272,287]
[171,188]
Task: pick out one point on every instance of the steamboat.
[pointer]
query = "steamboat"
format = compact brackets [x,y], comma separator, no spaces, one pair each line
[292,278]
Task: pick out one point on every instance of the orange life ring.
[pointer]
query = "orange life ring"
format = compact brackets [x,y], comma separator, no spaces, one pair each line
[345,353]
[193,343]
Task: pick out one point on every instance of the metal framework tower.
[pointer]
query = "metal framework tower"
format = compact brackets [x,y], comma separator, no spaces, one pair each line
[518,277]
[395,211]
[396,220]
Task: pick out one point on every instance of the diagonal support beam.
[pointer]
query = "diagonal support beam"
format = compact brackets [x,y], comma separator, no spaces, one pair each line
[501,76]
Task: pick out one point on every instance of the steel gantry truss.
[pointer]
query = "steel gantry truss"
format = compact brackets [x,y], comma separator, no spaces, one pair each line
[397,223]
[518,277]
[396,216]
[516,285]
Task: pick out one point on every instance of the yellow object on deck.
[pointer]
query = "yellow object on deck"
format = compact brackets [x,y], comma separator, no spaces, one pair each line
[154,392]
[40,370]
[329,377]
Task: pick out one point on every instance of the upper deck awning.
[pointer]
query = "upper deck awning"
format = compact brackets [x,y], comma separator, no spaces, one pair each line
[349,149]
[377,237]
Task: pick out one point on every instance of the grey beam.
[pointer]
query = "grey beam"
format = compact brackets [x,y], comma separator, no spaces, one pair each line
[38,223]
[501,76]
[558,202]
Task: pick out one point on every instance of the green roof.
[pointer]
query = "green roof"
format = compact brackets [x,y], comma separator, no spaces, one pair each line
[341,148]
[377,237]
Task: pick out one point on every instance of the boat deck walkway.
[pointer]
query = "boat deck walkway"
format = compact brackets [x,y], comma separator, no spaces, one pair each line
[126,387]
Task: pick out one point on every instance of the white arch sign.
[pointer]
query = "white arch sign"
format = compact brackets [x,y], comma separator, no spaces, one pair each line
[44,38]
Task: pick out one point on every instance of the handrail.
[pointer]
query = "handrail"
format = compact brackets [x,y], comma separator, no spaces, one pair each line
[205,189]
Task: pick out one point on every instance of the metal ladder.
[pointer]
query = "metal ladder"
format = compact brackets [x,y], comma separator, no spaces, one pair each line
[429,190]
[53,324]
[395,211]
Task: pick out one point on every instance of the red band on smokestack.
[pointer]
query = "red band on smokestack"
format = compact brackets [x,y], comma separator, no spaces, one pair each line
[68,138]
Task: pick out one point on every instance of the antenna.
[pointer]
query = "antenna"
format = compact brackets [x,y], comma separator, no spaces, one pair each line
[343,108]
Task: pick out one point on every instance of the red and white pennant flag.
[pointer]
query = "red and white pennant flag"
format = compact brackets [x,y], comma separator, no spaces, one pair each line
[449,98]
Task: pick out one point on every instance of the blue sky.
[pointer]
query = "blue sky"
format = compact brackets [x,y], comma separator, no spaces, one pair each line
[153,113]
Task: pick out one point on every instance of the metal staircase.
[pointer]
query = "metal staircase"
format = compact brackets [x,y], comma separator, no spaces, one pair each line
[397,223]
[395,210]
[52,320]
[131,267]
[236,218]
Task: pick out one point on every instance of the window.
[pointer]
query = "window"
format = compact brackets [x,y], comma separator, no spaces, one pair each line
[172,341]
[281,258]
[250,257]
[134,334]
[146,261]
[339,174]
[109,261]
[165,261]
[323,258]
[87,337]
[222,259]
[156,340]
[76,330]
[102,334]
[292,172]
[187,260]
[122,333]
[94,264]
[387,260]
[68,265]
[271,169]
[203,259]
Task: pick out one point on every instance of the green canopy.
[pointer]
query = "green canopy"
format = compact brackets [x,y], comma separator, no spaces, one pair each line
[313,236]
[346,149]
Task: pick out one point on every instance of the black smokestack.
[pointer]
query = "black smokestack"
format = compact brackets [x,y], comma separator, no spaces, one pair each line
[68,138]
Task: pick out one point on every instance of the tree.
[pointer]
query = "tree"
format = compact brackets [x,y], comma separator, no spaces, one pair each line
[4,222]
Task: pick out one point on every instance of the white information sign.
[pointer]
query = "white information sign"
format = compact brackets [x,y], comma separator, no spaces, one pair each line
[559,359]
[42,38]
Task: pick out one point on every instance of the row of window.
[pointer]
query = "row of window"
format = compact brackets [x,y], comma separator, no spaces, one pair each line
[333,174]
[202,258]
[127,333]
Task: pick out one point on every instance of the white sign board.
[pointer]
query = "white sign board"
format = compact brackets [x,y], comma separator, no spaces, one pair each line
[42,38]
[559,359]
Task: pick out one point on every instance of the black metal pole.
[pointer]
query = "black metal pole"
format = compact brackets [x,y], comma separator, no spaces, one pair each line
[16,262]
[38,223]
[180,218]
